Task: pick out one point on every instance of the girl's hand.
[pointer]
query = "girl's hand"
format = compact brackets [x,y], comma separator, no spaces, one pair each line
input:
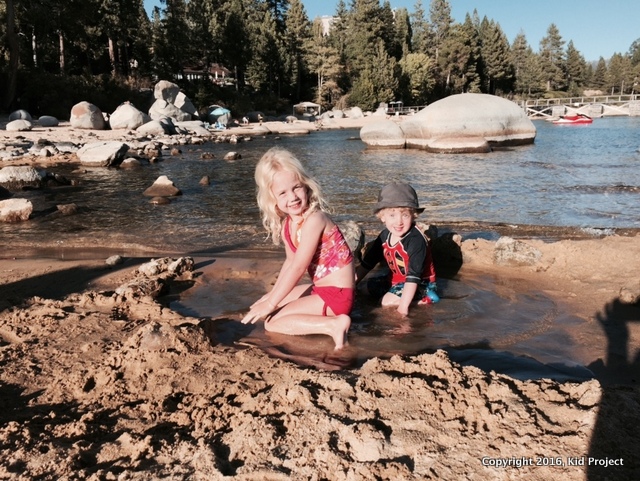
[259,310]
[260,300]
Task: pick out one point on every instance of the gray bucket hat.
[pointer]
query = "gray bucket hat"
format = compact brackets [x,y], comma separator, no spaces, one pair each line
[397,194]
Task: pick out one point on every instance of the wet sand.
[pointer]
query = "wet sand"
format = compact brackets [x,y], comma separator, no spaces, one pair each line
[101,379]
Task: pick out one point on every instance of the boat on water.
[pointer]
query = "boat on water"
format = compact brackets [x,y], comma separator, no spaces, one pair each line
[577,119]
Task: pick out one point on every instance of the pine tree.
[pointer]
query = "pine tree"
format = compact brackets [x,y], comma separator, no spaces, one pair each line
[323,59]
[365,29]
[527,71]
[497,67]
[459,59]
[576,70]
[552,59]
[297,38]
[619,74]
[420,30]
[600,75]
[440,23]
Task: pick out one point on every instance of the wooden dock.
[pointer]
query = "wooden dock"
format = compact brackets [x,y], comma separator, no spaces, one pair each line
[597,106]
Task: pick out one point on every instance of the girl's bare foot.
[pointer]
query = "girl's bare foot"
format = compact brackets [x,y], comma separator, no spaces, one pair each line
[341,327]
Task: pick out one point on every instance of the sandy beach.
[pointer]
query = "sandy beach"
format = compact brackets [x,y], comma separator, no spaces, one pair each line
[100,380]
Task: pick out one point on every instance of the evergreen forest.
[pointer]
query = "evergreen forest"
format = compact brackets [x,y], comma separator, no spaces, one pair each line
[268,55]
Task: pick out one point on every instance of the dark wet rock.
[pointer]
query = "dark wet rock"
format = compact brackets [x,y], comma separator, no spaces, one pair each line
[232,156]
[67,209]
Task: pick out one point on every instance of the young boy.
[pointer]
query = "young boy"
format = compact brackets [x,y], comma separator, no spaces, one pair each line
[405,250]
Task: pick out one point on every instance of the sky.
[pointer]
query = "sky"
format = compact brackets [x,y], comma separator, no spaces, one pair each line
[597,28]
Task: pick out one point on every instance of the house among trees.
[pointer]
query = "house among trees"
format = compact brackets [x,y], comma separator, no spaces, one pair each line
[217,73]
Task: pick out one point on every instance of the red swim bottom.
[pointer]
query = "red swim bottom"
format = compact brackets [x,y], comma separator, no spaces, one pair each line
[339,299]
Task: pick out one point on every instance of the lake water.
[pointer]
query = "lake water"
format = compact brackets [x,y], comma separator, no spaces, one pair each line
[584,177]
[577,176]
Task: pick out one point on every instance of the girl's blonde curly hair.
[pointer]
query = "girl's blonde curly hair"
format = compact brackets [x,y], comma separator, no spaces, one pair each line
[273,161]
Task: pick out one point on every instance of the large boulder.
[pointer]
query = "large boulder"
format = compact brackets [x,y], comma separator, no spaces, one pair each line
[162,108]
[384,134]
[85,115]
[128,117]
[185,104]
[458,117]
[167,91]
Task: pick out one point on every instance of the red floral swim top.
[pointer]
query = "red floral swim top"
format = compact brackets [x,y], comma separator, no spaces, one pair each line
[332,254]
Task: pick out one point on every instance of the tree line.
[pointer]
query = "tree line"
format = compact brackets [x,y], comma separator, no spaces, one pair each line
[54,51]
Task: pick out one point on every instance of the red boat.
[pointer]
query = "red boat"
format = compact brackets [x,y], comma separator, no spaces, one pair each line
[573,119]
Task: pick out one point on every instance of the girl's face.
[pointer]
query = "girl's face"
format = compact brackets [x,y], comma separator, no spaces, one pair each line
[290,193]
[398,220]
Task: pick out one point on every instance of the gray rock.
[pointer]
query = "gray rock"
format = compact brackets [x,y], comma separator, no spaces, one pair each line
[102,154]
[154,127]
[16,178]
[20,114]
[195,127]
[48,121]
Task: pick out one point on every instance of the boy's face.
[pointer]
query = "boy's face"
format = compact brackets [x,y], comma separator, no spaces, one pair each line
[397,219]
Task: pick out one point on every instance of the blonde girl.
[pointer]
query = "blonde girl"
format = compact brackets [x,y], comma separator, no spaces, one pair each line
[293,211]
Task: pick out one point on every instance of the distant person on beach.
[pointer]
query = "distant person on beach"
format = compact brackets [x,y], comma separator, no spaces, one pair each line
[405,250]
[294,210]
